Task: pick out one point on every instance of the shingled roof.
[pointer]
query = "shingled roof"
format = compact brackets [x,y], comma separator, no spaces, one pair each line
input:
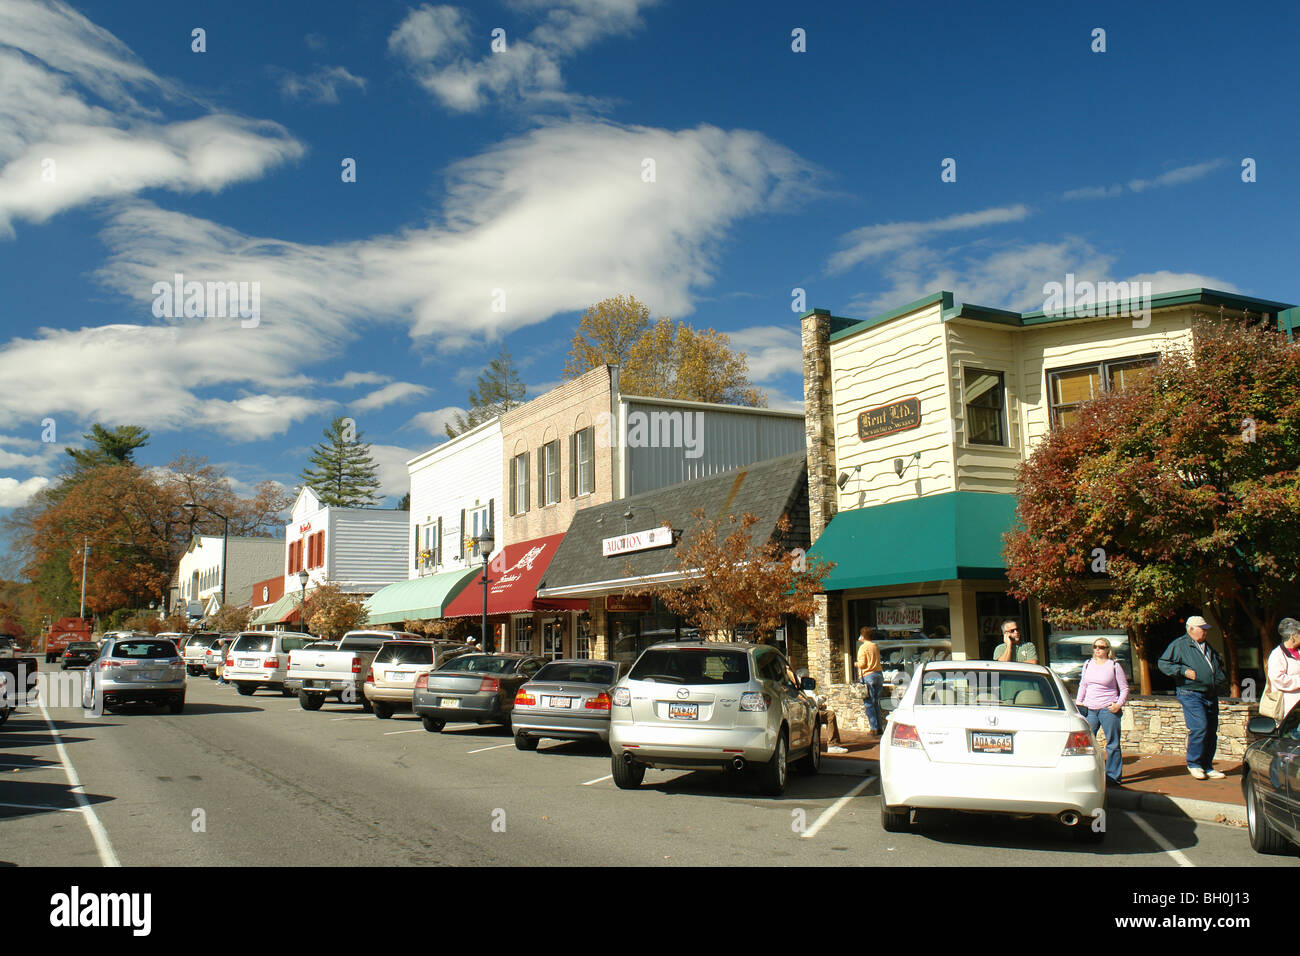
[768,488]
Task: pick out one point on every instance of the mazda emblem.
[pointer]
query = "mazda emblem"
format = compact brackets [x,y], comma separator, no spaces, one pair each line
[683,693]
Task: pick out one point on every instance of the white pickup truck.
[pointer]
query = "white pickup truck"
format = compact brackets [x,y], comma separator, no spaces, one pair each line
[317,674]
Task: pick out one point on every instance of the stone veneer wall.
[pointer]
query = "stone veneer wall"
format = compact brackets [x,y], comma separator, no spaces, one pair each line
[819,427]
[1154,725]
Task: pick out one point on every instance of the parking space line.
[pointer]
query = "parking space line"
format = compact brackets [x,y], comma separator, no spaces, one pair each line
[357,717]
[608,776]
[1159,839]
[390,733]
[97,831]
[481,749]
[829,813]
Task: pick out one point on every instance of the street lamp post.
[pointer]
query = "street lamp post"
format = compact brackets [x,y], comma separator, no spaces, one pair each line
[225,539]
[303,578]
[484,543]
[85,550]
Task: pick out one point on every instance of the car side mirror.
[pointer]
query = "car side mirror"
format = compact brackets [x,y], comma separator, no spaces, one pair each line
[1262,726]
[808,684]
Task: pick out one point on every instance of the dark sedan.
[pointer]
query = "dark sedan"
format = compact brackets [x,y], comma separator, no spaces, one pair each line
[472,688]
[79,654]
[1270,782]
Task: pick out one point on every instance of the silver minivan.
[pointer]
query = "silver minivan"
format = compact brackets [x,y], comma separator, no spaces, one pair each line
[700,705]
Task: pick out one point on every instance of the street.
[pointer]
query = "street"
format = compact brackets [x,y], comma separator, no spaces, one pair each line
[257,781]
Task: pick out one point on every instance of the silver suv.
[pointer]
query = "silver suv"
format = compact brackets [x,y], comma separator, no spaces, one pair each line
[713,706]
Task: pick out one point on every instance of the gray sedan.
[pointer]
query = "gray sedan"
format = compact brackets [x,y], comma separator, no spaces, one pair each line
[474,688]
[567,700]
[136,670]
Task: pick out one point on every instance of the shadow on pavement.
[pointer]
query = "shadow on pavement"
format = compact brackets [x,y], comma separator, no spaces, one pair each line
[24,798]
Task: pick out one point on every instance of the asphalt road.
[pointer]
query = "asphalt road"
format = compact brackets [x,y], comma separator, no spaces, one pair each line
[255,781]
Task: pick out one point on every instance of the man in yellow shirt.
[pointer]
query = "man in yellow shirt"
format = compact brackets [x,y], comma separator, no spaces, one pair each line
[872,677]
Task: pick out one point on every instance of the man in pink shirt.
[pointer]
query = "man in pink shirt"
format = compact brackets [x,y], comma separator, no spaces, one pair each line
[1103,692]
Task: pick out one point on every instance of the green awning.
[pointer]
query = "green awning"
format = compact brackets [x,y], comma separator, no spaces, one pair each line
[935,538]
[282,610]
[418,599]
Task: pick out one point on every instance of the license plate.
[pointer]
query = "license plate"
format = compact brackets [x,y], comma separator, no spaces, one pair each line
[985,743]
[559,703]
[684,711]
[247,662]
[400,675]
[318,683]
[147,675]
[451,702]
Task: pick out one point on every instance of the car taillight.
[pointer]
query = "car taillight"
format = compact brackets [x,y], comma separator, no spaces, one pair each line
[524,699]
[271,662]
[1078,744]
[356,665]
[230,662]
[905,735]
[370,677]
[599,702]
[422,682]
[489,684]
[109,663]
[755,701]
[622,697]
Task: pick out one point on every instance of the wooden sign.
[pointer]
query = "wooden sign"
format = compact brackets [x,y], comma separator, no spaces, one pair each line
[618,604]
[887,419]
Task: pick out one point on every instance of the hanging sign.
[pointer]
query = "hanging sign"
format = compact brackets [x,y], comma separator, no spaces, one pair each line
[887,419]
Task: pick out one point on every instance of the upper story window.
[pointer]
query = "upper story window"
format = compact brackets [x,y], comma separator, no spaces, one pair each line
[550,473]
[519,484]
[582,458]
[1068,389]
[480,520]
[984,395]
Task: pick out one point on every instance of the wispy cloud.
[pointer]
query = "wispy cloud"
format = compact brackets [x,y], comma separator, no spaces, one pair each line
[321,86]
[435,422]
[1173,177]
[877,240]
[352,379]
[389,395]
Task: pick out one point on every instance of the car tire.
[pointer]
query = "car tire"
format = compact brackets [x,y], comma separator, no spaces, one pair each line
[288,693]
[524,742]
[773,774]
[895,819]
[4,714]
[177,706]
[432,724]
[627,776]
[310,701]
[1263,837]
[812,763]
[246,688]
[381,710]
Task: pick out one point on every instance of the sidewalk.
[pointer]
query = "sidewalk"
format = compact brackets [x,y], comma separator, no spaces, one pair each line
[1156,784]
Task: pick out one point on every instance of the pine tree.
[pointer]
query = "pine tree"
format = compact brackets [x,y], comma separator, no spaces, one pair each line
[342,471]
[499,389]
[115,447]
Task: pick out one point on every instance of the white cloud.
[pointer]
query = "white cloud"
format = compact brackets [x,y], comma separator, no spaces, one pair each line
[458,66]
[435,422]
[363,378]
[1173,177]
[58,149]
[319,87]
[870,242]
[771,351]
[394,477]
[389,395]
[15,493]
[1178,281]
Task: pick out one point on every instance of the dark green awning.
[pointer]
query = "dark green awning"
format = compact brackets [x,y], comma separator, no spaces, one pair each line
[934,538]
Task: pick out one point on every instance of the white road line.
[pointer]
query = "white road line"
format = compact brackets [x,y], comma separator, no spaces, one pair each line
[481,749]
[358,717]
[392,732]
[608,776]
[41,806]
[102,844]
[835,808]
[1159,839]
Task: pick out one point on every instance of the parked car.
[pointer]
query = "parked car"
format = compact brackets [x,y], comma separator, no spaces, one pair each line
[79,654]
[136,669]
[713,706]
[566,700]
[396,667]
[214,656]
[991,737]
[315,674]
[176,637]
[474,688]
[194,651]
[1270,782]
[18,682]
[261,659]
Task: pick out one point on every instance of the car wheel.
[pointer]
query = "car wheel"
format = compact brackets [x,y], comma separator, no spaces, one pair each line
[4,714]
[813,762]
[524,742]
[177,706]
[310,701]
[382,711]
[895,819]
[1263,838]
[771,778]
[627,776]
[432,725]
[246,689]
[287,692]
[366,706]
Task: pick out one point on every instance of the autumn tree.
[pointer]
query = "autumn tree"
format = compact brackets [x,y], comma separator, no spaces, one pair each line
[329,613]
[660,359]
[735,582]
[341,470]
[499,389]
[231,617]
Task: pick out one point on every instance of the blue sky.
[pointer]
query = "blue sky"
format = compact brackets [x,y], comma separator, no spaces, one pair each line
[523,171]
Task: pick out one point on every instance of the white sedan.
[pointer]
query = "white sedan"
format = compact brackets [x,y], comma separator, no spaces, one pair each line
[994,737]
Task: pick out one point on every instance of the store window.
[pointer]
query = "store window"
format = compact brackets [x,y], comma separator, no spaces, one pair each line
[909,631]
[1068,389]
[984,395]
[553,638]
[523,635]
[632,633]
[1068,650]
[992,608]
[582,640]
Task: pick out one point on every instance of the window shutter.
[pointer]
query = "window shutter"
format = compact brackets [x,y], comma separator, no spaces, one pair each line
[573,465]
[591,458]
[527,485]
[492,516]
[461,550]
[514,484]
[437,557]
[416,564]
[541,477]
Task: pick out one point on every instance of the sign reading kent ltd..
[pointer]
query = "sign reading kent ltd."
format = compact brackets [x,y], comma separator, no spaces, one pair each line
[887,419]
[637,541]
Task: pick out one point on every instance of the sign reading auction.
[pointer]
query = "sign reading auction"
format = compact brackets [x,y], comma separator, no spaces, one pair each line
[637,541]
[887,419]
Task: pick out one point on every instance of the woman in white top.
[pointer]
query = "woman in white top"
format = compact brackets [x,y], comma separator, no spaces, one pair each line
[1284,664]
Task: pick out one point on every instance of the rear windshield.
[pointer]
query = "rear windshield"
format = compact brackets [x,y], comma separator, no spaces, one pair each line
[201,640]
[692,666]
[405,653]
[602,674]
[989,688]
[250,644]
[144,649]
[361,643]
[475,664]
[80,647]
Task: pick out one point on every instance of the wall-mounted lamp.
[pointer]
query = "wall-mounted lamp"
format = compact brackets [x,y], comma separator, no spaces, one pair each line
[844,476]
[899,463]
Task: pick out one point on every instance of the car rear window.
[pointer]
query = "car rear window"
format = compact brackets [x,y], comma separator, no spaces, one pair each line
[83,647]
[405,653]
[692,666]
[288,644]
[578,673]
[251,644]
[361,643]
[144,649]
[473,664]
[988,688]
[201,640]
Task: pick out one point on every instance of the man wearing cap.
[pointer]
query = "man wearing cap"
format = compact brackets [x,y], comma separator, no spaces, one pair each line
[1197,671]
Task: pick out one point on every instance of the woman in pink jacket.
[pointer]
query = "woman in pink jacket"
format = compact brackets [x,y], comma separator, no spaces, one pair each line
[1284,664]
[1103,692]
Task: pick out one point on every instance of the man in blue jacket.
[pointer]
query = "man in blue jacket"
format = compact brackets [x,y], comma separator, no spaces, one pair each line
[1197,670]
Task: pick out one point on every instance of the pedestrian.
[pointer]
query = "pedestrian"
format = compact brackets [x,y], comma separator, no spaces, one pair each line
[1284,665]
[1025,651]
[1197,670]
[1103,692]
[872,676]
